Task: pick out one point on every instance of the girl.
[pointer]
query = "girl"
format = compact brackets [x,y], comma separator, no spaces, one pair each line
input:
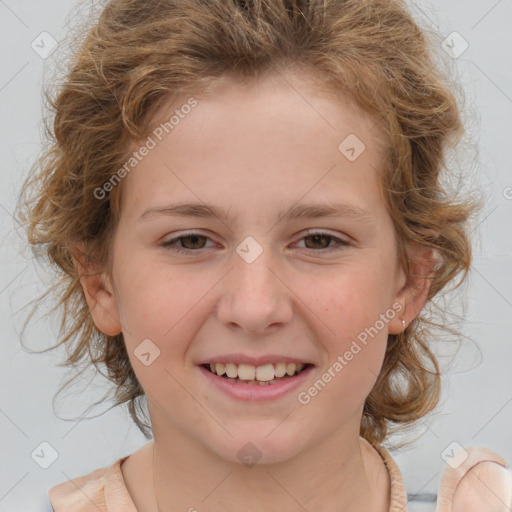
[244,199]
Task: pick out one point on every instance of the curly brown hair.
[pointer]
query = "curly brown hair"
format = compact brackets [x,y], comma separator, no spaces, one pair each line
[138,54]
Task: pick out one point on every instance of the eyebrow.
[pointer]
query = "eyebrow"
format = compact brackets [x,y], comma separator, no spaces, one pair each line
[301,211]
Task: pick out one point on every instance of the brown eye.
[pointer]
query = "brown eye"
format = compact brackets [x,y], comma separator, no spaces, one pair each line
[323,241]
[319,240]
[187,243]
[195,241]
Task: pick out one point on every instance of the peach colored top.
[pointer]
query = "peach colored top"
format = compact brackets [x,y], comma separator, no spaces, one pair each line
[104,490]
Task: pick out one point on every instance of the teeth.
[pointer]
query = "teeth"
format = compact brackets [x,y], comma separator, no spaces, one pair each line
[231,370]
[263,374]
[290,368]
[280,370]
[246,371]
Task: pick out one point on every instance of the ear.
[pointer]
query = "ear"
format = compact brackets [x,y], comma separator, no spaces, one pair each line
[413,294]
[99,294]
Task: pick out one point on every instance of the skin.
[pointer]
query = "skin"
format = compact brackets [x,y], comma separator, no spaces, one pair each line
[298,297]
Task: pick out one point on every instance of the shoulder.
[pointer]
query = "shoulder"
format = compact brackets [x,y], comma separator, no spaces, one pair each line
[87,493]
[475,479]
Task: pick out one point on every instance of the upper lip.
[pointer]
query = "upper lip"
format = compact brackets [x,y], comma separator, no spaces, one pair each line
[253,360]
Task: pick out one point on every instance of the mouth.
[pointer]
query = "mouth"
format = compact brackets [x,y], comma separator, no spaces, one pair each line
[263,375]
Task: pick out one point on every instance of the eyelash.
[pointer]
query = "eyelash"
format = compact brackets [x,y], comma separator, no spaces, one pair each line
[170,243]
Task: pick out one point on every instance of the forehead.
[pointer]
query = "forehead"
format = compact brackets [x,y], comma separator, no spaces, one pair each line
[279,131]
[271,100]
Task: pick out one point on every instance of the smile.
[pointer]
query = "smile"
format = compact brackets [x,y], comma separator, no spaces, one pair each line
[266,374]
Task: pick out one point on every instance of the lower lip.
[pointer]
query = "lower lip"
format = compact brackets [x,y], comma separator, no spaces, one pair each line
[255,392]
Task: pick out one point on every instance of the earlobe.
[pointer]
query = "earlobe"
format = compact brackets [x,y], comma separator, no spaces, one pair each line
[423,263]
[100,298]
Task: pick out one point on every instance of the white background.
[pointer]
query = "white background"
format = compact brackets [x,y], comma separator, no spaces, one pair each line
[476,406]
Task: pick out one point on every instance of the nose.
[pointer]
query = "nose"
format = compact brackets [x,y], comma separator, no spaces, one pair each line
[254,296]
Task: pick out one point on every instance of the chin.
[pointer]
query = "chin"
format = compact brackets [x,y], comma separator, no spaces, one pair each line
[258,446]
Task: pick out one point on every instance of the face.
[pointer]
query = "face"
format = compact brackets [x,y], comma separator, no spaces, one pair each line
[255,284]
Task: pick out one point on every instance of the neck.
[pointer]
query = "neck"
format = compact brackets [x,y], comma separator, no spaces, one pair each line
[337,474]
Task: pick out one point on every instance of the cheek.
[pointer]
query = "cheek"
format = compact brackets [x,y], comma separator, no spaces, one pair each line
[158,300]
[159,311]
[355,354]
[349,301]
[352,310]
